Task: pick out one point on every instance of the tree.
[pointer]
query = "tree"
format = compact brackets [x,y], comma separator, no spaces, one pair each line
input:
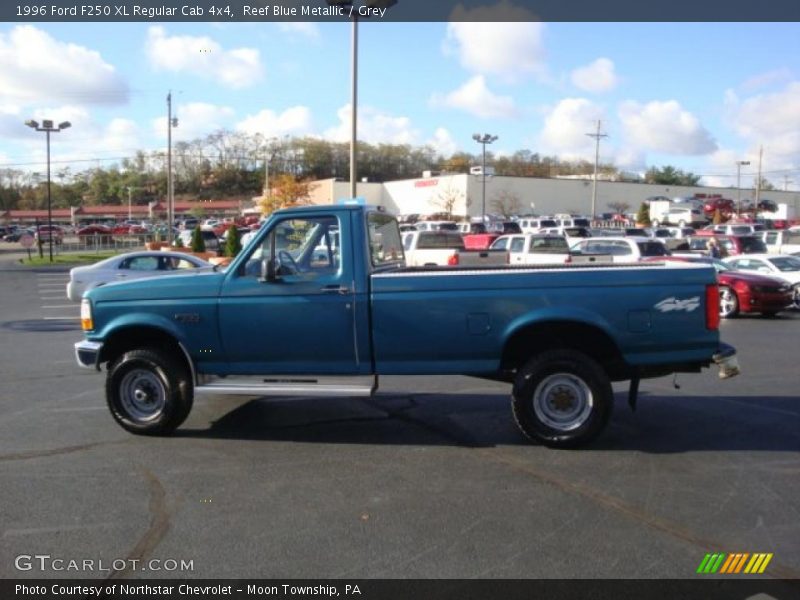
[505,203]
[198,212]
[198,245]
[233,243]
[669,175]
[619,207]
[643,216]
[285,191]
[447,200]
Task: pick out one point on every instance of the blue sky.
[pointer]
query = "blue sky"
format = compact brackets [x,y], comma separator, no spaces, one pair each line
[697,96]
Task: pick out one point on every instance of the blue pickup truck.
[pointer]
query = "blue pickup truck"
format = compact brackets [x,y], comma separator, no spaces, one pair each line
[321,303]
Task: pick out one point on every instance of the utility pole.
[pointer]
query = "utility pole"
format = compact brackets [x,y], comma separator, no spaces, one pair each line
[758,181]
[786,182]
[170,209]
[596,135]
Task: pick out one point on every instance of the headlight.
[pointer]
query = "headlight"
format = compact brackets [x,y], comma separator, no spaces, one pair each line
[86,315]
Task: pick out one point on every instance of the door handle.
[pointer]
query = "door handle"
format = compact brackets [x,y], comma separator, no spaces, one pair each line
[335,289]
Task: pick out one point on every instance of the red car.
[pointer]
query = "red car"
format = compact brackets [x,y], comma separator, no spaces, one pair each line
[745,292]
[726,207]
[90,233]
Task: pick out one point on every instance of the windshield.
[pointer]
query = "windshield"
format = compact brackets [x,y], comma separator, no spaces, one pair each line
[786,263]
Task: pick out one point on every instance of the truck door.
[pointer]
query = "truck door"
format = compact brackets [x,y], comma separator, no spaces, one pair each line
[300,318]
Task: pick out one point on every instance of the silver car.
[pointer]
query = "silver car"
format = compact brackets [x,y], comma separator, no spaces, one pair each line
[133,265]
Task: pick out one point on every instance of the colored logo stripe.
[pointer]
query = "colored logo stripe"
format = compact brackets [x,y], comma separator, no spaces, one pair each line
[734,563]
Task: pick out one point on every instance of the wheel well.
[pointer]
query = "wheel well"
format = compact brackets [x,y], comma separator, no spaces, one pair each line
[130,338]
[588,339]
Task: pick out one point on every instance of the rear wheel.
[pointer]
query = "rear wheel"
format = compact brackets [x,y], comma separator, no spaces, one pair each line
[562,398]
[149,392]
[728,303]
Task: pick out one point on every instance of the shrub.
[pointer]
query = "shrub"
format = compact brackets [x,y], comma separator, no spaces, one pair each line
[233,244]
[198,245]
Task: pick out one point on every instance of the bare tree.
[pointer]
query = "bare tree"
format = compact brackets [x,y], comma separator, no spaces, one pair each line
[619,207]
[447,199]
[505,203]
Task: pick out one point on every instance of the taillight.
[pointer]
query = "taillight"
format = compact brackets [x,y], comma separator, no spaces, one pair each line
[712,307]
[453,260]
[568,259]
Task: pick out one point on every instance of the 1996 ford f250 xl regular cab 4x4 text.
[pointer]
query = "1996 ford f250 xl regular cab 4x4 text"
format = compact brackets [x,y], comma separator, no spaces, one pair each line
[295,314]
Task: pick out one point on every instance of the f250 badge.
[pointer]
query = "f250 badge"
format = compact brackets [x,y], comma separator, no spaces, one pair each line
[673,303]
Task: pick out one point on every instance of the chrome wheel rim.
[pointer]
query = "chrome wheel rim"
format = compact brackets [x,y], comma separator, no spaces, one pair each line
[143,395]
[563,401]
[727,302]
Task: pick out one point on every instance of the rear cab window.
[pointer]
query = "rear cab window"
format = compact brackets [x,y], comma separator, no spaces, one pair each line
[385,246]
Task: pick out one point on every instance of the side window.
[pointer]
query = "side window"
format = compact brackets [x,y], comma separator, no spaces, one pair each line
[619,248]
[408,239]
[141,263]
[302,248]
[500,243]
[772,237]
[517,244]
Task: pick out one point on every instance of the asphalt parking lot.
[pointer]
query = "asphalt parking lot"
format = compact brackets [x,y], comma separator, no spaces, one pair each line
[430,478]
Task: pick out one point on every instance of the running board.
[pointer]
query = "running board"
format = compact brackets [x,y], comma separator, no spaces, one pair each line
[288,385]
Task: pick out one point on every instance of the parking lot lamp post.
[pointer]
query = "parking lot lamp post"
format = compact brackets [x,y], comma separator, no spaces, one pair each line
[48,128]
[345,4]
[483,140]
[739,164]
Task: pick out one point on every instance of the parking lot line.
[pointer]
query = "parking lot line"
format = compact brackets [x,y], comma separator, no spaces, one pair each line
[75,318]
[60,306]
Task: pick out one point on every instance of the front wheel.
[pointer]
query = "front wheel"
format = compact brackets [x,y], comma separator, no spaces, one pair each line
[728,303]
[149,392]
[562,398]
[796,296]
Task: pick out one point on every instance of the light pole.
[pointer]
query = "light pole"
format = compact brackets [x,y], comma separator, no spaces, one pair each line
[483,140]
[739,164]
[129,203]
[47,127]
[344,4]
[171,122]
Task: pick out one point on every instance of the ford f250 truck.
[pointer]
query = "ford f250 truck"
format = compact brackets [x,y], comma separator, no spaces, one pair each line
[296,314]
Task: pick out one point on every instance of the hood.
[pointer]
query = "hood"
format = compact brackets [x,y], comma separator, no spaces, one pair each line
[169,287]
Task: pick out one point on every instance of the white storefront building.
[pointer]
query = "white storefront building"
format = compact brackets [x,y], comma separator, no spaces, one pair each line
[523,195]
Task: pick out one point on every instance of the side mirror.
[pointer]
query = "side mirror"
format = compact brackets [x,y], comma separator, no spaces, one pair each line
[268,274]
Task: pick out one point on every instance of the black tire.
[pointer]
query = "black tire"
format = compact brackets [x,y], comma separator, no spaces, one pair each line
[580,381]
[796,294]
[149,392]
[728,302]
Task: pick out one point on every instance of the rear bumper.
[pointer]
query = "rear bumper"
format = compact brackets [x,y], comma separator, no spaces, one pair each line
[726,360]
[88,354]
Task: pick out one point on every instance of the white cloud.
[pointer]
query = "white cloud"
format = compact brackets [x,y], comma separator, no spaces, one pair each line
[766,79]
[566,126]
[664,127]
[34,66]
[303,28]
[295,120]
[512,49]
[121,134]
[476,99]
[201,55]
[195,120]
[769,118]
[374,126]
[596,77]
[442,142]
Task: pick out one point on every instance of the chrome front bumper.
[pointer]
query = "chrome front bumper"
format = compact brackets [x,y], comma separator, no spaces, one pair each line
[88,353]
